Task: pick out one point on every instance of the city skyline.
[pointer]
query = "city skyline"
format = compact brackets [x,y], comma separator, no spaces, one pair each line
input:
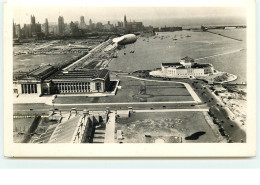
[150,16]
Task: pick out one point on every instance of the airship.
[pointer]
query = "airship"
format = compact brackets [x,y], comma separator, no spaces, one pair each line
[125,39]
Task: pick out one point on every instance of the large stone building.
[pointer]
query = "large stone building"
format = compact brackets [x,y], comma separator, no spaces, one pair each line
[186,68]
[86,81]
[132,26]
[49,80]
[34,81]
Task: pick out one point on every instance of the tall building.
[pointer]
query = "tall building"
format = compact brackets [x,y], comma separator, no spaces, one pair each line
[82,24]
[26,31]
[82,20]
[32,19]
[125,21]
[33,26]
[132,26]
[99,26]
[14,34]
[60,25]
[46,30]
[90,22]
[74,29]
[18,30]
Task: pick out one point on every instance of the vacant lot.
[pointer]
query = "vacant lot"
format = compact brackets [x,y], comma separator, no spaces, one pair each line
[149,127]
[21,126]
[29,62]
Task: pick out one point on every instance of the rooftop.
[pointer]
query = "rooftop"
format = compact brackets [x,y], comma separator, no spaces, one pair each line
[188,59]
[171,64]
[39,73]
[200,65]
[79,75]
[64,131]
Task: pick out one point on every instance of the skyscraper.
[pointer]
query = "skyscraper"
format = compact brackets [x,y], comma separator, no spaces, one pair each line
[33,27]
[60,25]
[82,24]
[46,29]
[82,21]
[32,19]
[18,30]
[125,21]
[14,34]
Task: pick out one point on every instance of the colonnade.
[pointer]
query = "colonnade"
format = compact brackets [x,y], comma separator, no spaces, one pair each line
[74,87]
[29,88]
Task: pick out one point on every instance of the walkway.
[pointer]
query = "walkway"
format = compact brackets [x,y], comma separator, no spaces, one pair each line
[110,128]
[33,98]
[90,54]
[224,36]
[174,110]
[123,103]
[214,127]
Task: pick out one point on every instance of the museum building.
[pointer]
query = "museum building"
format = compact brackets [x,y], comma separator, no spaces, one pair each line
[186,68]
[50,80]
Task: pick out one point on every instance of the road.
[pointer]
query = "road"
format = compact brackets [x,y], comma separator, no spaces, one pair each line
[231,127]
[43,108]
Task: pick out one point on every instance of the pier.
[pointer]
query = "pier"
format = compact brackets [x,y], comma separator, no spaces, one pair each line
[224,36]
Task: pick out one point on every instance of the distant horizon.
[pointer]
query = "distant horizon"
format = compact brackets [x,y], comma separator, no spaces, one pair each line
[154,16]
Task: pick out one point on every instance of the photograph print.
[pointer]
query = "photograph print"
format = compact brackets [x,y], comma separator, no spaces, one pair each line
[129,75]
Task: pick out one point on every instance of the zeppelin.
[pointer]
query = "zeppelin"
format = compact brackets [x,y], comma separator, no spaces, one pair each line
[125,39]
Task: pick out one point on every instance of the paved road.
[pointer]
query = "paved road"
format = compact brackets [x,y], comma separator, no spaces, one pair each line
[43,108]
[231,127]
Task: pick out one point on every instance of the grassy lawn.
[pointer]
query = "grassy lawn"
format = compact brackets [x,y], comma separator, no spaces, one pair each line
[165,126]
[136,91]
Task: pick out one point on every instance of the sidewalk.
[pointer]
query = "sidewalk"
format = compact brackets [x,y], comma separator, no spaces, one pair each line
[110,128]
[32,98]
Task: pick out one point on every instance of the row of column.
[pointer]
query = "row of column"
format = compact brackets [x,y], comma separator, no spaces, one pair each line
[73,87]
[29,88]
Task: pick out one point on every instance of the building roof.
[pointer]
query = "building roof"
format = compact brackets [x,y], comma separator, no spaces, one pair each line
[187,59]
[80,75]
[64,132]
[39,73]
[102,73]
[198,65]
[171,64]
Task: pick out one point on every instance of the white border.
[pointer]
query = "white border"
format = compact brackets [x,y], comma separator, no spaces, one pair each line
[131,150]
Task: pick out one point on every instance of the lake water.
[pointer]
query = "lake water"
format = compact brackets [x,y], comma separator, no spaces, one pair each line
[225,54]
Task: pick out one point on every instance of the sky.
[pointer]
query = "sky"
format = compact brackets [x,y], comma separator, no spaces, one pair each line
[157,16]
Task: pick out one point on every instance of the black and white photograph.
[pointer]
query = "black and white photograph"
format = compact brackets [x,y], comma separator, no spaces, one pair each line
[122,75]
